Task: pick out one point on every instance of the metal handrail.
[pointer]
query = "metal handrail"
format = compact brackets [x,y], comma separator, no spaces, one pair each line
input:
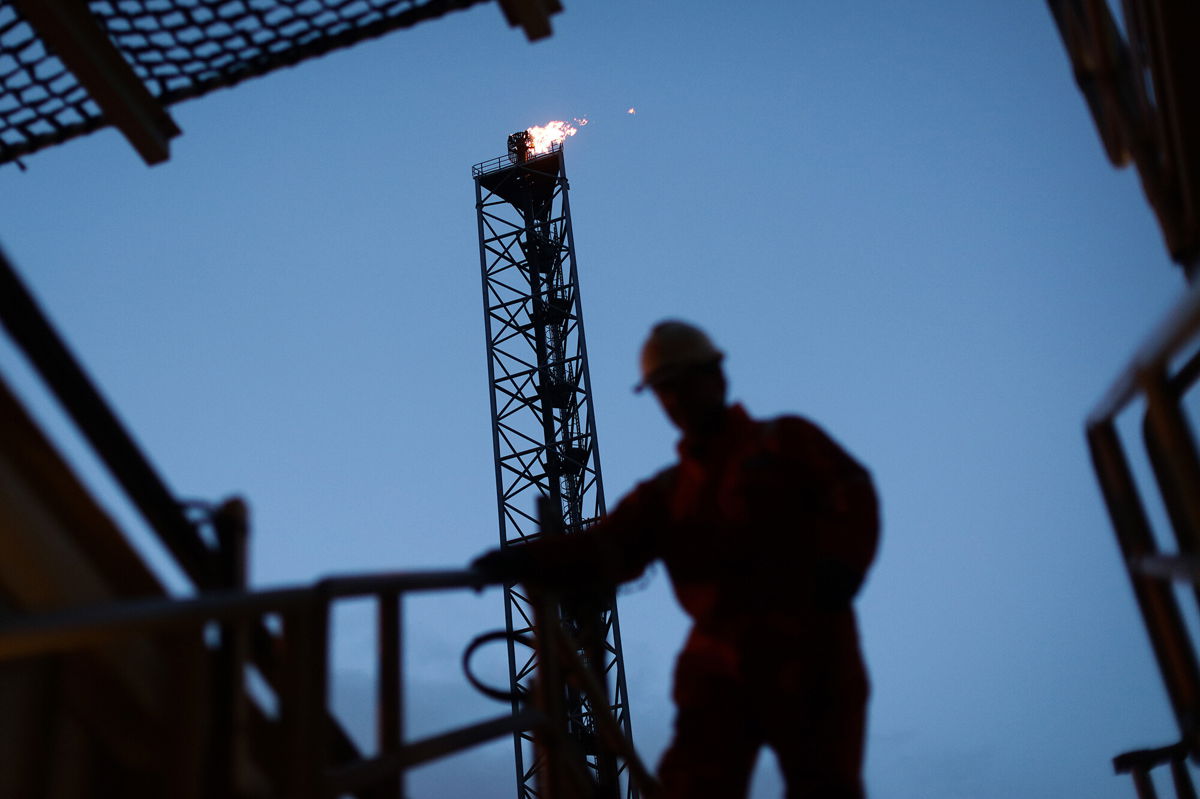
[314,769]
[1140,762]
[509,160]
[1177,328]
[308,606]
[1175,462]
[66,630]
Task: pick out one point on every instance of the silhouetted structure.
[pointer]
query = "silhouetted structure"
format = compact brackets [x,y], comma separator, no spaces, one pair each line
[69,67]
[543,425]
[1141,79]
[110,686]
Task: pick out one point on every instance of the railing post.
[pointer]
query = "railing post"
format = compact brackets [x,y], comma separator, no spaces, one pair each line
[1183,780]
[1144,785]
[229,749]
[390,713]
[305,697]
[1139,763]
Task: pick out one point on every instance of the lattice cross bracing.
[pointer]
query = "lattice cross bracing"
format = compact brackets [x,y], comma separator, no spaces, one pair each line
[543,422]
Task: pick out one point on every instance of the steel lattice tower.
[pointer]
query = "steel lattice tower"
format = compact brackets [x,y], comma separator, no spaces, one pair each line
[543,424]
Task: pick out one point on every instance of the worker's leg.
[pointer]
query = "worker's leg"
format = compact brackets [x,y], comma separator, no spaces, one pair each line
[715,743]
[814,715]
[824,761]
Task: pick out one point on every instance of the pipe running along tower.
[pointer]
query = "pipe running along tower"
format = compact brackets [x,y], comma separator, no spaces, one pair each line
[543,425]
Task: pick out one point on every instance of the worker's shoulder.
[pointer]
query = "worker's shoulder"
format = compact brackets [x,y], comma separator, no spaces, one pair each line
[801,436]
[792,426]
[661,480]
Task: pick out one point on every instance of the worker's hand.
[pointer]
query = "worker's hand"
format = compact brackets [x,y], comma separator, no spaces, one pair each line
[507,565]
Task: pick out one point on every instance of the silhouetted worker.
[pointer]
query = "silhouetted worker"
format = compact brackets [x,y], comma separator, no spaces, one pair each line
[767,529]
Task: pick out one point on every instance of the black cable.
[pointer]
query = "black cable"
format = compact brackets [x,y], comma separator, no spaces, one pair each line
[480,686]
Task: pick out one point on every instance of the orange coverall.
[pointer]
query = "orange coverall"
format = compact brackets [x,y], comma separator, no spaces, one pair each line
[767,533]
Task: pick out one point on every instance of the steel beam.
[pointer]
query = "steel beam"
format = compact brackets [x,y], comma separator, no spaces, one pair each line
[33,333]
[532,16]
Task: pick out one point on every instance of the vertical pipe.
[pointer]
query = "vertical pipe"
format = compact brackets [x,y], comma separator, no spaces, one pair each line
[390,715]
[535,262]
[585,372]
[539,276]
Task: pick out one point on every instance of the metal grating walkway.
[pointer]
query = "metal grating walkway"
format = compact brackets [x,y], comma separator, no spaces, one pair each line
[178,49]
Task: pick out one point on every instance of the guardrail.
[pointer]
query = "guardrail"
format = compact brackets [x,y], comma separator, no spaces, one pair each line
[509,160]
[1161,373]
[302,675]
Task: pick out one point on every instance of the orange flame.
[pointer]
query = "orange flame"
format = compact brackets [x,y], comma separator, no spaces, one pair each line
[543,137]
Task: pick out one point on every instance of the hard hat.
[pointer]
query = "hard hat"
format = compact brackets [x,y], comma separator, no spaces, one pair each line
[673,347]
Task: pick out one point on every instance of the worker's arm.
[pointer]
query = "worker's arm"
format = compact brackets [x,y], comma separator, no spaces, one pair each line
[614,550]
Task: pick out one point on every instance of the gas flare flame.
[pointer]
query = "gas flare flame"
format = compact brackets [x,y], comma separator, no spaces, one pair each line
[543,137]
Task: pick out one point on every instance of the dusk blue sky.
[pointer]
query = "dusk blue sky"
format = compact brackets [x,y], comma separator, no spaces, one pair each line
[896,218]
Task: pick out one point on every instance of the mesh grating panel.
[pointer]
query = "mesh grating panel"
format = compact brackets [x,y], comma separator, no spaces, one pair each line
[179,49]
